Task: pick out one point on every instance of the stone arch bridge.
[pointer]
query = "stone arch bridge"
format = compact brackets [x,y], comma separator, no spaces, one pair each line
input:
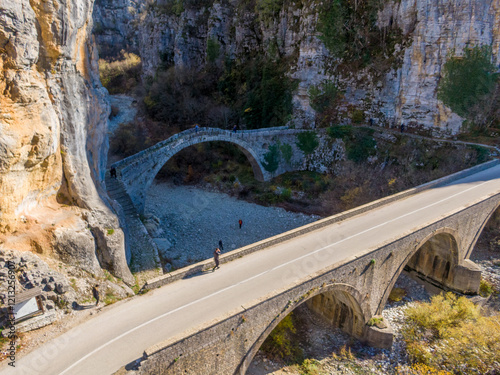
[343,267]
[138,171]
[429,231]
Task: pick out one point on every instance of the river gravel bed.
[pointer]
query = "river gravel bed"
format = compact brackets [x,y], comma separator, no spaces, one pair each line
[188,222]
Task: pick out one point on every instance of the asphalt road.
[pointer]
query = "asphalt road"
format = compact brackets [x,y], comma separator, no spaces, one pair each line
[120,333]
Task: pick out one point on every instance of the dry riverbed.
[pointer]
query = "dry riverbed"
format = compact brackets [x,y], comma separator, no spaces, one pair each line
[189,222]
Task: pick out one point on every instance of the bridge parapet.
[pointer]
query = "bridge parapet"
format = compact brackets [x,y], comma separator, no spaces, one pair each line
[138,171]
[268,242]
[192,133]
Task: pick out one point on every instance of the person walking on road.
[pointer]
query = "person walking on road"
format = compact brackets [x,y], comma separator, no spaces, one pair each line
[240,222]
[216,259]
[221,246]
[95,293]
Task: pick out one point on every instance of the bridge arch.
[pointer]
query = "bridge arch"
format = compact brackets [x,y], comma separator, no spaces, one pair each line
[433,258]
[469,250]
[341,304]
[137,172]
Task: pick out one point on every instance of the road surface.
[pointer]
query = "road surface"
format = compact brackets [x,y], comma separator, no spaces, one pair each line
[120,333]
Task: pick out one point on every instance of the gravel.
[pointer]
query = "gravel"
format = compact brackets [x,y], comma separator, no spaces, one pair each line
[193,220]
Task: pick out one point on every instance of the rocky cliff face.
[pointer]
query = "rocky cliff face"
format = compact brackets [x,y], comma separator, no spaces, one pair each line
[53,140]
[176,32]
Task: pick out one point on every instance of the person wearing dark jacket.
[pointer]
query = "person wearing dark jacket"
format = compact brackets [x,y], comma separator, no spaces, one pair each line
[95,293]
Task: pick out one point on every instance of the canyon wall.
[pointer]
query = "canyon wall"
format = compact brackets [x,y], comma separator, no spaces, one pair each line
[53,137]
[168,32]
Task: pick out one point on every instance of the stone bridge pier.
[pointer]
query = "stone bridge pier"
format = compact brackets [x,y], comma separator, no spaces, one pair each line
[346,294]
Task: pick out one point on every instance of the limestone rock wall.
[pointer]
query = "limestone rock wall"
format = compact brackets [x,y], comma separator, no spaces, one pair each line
[53,129]
[406,93]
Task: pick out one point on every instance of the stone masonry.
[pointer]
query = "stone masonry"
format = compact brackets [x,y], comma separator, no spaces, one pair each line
[348,294]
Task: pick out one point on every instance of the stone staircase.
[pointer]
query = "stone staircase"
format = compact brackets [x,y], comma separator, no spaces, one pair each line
[145,262]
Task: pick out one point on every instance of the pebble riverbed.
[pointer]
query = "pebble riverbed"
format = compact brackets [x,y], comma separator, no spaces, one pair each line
[193,220]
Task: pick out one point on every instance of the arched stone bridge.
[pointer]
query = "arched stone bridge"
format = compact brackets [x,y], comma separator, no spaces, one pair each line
[343,267]
[138,171]
[430,234]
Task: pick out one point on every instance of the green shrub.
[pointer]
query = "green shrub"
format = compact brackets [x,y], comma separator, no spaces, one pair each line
[323,96]
[310,367]
[213,50]
[468,85]
[307,142]
[397,294]
[268,9]
[331,25]
[357,116]
[363,145]
[259,89]
[486,288]
[286,152]
[272,158]
[171,7]
[483,154]
[281,342]
[339,131]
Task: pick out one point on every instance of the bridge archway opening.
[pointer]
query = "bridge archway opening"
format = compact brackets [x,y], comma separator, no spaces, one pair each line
[435,260]
[204,159]
[337,309]
[201,161]
[488,239]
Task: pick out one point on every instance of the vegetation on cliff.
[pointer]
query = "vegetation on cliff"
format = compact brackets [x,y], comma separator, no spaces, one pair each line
[471,88]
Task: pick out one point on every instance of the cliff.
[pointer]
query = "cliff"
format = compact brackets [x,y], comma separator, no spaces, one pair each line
[53,137]
[398,87]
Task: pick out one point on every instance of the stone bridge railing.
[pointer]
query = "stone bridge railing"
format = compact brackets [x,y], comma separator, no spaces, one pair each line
[192,133]
[138,171]
[268,242]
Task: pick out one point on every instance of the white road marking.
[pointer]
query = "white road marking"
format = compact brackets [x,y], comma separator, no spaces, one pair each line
[262,273]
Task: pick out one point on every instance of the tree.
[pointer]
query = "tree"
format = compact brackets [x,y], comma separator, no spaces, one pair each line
[272,159]
[307,142]
[468,85]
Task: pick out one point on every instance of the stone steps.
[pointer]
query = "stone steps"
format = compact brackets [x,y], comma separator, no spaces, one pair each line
[142,247]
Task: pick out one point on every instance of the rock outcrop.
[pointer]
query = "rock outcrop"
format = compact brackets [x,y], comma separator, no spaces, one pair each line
[164,32]
[53,133]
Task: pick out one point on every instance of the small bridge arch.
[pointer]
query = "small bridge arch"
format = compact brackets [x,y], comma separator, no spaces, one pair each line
[342,305]
[138,171]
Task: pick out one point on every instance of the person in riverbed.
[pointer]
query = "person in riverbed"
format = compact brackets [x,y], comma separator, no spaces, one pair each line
[240,222]
[216,259]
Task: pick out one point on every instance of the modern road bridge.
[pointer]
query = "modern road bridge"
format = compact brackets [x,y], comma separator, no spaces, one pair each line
[343,267]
